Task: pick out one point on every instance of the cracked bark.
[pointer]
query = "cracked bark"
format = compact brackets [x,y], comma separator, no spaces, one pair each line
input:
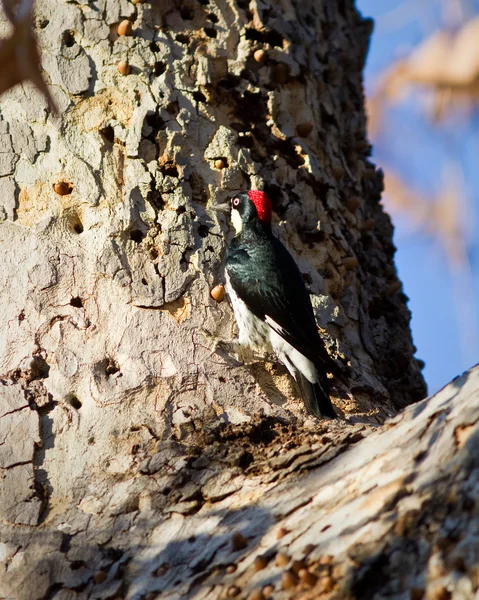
[136,462]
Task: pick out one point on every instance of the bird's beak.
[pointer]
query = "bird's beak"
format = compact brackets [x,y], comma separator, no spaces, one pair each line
[222,208]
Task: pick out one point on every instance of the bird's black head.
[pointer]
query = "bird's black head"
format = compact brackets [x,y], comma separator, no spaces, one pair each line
[253,206]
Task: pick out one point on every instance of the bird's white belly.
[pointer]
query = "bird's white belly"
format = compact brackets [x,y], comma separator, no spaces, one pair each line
[261,337]
[253,332]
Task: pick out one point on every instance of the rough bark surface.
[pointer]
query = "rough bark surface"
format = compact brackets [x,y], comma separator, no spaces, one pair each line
[128,446]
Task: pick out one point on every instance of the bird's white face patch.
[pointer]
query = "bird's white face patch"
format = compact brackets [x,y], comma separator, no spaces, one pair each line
[236,221]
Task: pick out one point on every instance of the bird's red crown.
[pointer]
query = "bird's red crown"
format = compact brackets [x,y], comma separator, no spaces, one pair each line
[263,205]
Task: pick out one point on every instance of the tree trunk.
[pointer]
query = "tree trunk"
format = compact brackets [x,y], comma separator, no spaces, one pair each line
[131,449]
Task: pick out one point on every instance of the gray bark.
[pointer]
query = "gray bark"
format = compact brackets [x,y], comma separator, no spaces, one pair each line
[129,446]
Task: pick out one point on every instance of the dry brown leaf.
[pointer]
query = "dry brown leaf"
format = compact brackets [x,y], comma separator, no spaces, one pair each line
[445,64]
[19,55]
[439,216]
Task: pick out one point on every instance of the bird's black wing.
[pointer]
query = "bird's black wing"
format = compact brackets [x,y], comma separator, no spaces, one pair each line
[274,291]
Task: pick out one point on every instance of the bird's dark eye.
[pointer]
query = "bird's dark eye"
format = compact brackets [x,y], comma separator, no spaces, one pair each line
[236,201]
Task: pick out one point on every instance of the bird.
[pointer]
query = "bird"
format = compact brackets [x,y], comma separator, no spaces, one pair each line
[271,305]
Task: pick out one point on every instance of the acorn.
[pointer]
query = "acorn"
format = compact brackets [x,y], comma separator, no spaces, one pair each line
[369,224]
[233,591]
[307,577]
[62,188]
[297,566]
[238,541]
[218,293]
[282,559]
[220,164]
[231,569]
[260,562]
[308,549]
[289,580]
[256,594]
[338,172]
[268,590]
[353,204]
[100,576]
[280,73]
[393,288]
[350,262]
[259,55]
[125,27]
[123,67]
[304,129]
[327,583]
[282,531]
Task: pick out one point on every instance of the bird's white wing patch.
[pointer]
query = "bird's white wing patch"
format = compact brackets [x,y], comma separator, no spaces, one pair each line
[291,357]
[275,326]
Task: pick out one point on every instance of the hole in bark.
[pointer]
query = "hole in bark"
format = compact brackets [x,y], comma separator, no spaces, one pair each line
[78,227]
[154,197]
[43,23]
[137,236]
[169,169]
[243,3]
[203,231]
[143,281]
[154,120]
[108,134]
[111,367]
[68,38]
[204,2]
[212,17]
[312,237]
[287,150]
[265,37]
[229,82]
[180,210]
[39,368]
[62,188]
[251,108]
[307,278]
[182,38]
[77,302]
[77,564]
[198,188]
[221,379]
[154,47]
[153,254]
[245,141]
[375,308]
[159,68]
[210,32]
[74,402]
[199,97]
[187,13]
[173,108]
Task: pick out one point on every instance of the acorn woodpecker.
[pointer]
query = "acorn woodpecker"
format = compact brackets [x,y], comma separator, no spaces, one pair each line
[271,304]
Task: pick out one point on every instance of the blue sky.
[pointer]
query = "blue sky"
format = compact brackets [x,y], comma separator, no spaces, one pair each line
[443,304]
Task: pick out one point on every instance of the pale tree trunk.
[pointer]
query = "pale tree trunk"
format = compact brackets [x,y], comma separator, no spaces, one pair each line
[131,451]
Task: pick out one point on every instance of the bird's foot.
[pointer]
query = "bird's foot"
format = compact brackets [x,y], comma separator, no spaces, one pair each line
[225,348]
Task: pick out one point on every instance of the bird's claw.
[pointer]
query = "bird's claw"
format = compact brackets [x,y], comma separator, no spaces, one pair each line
[224,348]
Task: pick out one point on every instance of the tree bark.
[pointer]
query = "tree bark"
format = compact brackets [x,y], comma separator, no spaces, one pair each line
[132,451]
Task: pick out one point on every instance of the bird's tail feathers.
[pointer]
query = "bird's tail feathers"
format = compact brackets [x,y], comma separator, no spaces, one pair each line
[316,396]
